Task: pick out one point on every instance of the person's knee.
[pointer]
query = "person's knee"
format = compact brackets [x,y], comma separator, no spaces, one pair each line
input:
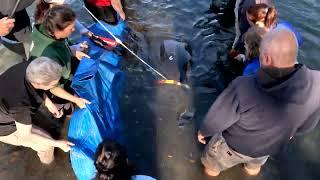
[256,163]
[47,156]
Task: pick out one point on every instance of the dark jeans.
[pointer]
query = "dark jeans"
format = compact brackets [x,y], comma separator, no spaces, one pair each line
[107,13]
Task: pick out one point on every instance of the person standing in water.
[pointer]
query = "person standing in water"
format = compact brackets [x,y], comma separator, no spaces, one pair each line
[255,116]
[106,10]
[252,40]
[241,21]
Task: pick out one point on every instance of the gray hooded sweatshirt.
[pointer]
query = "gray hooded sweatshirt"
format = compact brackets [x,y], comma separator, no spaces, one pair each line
[258,114]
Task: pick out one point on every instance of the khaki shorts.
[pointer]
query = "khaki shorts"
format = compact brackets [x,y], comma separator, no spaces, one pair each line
[218,156]
[44,151]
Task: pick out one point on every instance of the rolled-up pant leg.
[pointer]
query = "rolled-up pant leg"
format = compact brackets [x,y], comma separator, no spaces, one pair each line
[218,156]
[44,151]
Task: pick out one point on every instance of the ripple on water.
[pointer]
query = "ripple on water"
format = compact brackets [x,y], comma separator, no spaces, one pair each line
[146,1]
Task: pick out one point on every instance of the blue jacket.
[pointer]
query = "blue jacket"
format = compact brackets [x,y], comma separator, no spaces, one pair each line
[251,67]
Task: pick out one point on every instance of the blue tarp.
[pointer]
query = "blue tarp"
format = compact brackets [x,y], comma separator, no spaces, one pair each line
[98,80]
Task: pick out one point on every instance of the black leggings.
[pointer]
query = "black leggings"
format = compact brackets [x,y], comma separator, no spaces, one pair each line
[107,14]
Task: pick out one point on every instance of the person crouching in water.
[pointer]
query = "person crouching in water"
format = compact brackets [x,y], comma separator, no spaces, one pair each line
[252,40]
[106,10]
[21,95]
[50,39]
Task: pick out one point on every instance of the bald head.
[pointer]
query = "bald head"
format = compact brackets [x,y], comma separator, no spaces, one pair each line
[278,49]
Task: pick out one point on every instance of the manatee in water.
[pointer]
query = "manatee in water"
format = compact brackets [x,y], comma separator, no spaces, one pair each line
[175,58]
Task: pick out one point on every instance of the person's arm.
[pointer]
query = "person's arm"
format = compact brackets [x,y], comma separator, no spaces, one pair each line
[117,6]
[81,28]
[24,133]
[77,49]
[6,25]
[52,107]
[222,114]
[61,93]
[310,124]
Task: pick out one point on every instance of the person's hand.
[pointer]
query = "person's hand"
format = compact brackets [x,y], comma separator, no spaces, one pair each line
[240,57]
[55,111]
[89,34]
[83,45]
[201,138]
[6,25]
[80,46]
[53,108]
[79,55]
[122,15]
[81,103]
[233,53]
[64,145]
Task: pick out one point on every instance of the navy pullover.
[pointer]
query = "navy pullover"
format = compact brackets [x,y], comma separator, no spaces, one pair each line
[258,114]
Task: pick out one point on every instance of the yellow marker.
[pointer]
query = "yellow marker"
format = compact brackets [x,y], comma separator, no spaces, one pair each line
[173,82]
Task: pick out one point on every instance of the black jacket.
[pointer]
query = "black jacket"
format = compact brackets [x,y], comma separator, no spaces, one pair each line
[8,5]
[18,98]
[22,29]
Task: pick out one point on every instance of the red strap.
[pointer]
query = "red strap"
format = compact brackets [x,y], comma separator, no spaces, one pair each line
[100,3]
[110,42]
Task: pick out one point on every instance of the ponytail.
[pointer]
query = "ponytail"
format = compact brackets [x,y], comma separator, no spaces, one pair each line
[58,18]
[41,9]
[271,17]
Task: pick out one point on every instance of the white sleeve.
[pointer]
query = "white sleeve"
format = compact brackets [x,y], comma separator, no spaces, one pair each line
[236,25]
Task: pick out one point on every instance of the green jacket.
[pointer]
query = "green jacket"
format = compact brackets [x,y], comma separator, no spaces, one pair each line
[47,46]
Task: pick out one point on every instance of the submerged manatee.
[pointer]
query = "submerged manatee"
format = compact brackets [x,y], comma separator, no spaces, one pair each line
[175,58]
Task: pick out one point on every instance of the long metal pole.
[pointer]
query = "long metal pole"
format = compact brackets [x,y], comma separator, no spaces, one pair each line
[14,8]
[121,43]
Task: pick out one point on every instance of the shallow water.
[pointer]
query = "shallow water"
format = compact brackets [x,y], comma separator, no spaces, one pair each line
[160,148]
[157,146]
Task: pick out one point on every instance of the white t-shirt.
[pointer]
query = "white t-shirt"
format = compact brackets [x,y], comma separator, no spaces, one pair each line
[141,177]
